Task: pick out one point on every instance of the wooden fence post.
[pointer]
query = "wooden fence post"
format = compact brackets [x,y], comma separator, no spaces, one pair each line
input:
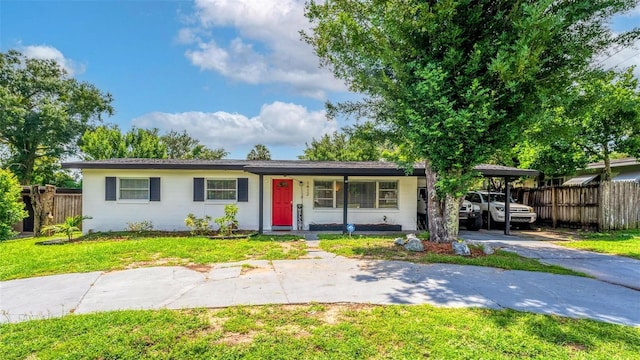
[554,207]
[603,205]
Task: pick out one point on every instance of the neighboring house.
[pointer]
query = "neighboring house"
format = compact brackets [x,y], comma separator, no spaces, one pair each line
[271,195]
[627,169]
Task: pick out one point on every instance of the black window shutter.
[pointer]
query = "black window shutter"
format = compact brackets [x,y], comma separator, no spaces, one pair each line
[198,189]
[110,188]
[154,189]
[243,189]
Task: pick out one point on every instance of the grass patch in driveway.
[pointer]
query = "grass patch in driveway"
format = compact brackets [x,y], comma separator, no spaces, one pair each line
[622,243]
[318,331]
[376,248]
[21,258]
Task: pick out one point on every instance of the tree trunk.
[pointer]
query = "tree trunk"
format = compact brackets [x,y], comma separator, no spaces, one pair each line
[606,176]
[42,207]
[442,214]
[27,171]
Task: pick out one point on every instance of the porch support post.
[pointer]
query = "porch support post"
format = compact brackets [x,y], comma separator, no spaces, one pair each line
[345,203]
[261,206]
[507,206]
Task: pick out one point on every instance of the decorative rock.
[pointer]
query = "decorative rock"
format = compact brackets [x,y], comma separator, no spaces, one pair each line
[414,244]
[488,250]
[461,248]
[399,241]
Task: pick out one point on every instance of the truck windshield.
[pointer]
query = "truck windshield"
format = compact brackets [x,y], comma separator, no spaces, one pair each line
[495,197]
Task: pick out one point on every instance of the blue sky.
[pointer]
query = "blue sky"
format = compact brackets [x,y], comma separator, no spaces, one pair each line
[233,73]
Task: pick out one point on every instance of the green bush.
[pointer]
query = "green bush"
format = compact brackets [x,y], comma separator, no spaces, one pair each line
[68,227]
[11,205]
[198,226]
[140,226]
[228,222]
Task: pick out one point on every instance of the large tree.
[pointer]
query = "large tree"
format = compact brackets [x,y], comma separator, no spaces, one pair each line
[259,152]
[597,119]
[181,145]
[604,116]
[456,80]
[43,111]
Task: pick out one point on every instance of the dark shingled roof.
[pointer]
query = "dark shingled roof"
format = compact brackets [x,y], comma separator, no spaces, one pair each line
[284,167]
[615,163]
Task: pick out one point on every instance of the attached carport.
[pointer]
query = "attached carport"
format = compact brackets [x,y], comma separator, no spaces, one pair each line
[509,174]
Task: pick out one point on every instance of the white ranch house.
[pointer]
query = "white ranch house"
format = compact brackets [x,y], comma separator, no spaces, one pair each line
[271,195]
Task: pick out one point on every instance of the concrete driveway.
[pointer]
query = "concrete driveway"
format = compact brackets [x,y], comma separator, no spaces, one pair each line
[613,269]
[325,278]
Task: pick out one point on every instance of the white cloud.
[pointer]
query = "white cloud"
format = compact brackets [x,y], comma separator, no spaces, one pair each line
[278,124]
[267,48]
[51,53]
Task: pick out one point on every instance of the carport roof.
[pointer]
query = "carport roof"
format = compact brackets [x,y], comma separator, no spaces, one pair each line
[284,167]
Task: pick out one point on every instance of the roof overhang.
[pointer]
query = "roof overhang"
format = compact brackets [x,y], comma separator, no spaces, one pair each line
[505,171]
[580,180]
[627,176]
[286,167]
[614,163]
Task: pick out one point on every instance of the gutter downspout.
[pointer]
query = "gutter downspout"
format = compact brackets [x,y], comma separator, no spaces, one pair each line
[507,206]
[261,206]
[345,203]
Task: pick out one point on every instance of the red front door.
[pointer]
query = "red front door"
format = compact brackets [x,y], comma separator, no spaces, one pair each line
[282,202]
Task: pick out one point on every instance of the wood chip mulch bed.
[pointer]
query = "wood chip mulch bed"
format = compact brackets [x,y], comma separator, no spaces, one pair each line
[446,249]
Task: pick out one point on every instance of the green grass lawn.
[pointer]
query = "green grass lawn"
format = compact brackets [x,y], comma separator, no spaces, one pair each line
[623,243]
[318,332]
[382,248]
[22,258]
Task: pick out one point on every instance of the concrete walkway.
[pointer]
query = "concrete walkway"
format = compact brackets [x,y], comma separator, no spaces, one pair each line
[613,269]
[324,278]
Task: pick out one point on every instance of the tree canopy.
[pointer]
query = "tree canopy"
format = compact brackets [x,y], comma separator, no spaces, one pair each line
[454,81]
[181,145]
[259,152]
[350,144]
[604,116]
[108,141]
[43,111]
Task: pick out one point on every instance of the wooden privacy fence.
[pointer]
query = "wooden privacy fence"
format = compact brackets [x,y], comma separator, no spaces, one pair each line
[607,206]
[65,205]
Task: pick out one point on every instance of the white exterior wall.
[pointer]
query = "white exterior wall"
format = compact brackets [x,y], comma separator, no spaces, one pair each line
[405,215]
[176,201]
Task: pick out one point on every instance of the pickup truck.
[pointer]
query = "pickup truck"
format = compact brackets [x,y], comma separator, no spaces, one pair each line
[493,204]
[470,215]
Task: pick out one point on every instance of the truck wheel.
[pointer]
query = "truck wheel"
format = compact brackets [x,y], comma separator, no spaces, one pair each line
[474,224]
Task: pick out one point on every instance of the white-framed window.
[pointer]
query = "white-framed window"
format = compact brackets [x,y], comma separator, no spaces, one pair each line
[362,194]
[221,189]
[388,194]
[133,189]
[323,194]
